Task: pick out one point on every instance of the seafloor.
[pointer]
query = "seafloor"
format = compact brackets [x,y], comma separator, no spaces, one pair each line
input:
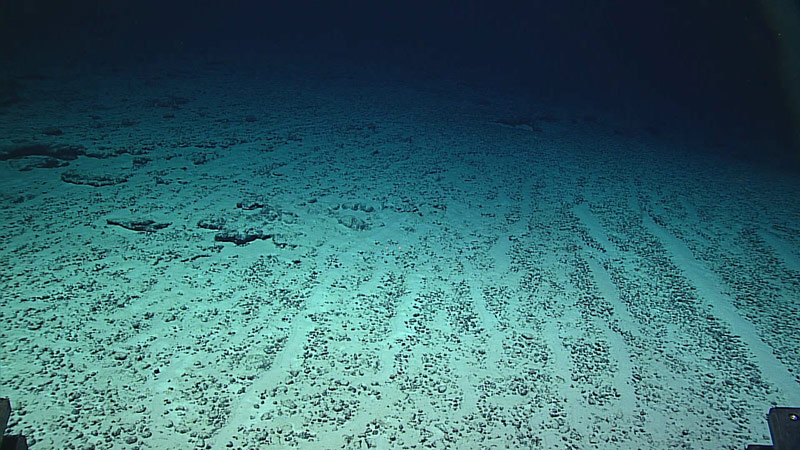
[218,254]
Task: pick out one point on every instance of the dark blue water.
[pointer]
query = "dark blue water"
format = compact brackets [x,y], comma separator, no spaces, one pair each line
[718,70]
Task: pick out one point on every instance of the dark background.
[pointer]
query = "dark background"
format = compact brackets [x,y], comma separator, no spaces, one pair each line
[716,64]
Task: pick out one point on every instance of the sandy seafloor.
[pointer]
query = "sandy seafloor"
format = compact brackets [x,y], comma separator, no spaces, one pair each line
[433,265]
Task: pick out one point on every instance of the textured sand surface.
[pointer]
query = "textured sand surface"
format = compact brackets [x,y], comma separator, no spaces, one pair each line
[212,255]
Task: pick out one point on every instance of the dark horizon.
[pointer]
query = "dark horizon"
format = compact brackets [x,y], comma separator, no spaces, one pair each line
[717,69]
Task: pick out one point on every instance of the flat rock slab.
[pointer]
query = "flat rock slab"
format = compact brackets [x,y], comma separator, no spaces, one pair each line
[144,226]
[241,237]
[37,162]
[92,180]
[65,152]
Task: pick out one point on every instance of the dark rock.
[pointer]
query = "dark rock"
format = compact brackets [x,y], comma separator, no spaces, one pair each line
[352,222]
[241,237]
[66,152]
[91,180]
[212,224]
[251,205]
[37,162]
[147,226]
[519,122]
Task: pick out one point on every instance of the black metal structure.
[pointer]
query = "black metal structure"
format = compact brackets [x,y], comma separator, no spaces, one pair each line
[14,442]
[784,427]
